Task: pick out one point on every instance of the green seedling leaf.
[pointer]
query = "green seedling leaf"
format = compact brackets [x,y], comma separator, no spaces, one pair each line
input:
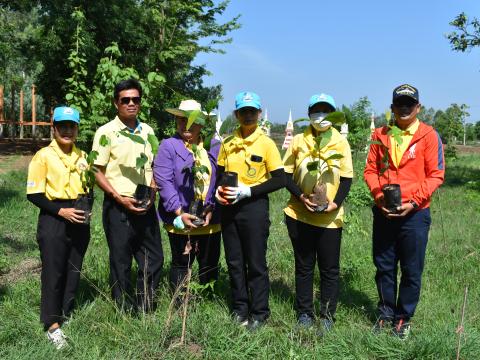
[204,169]
[194,148]
[192,118]
[312,165]
[207,143]
[154,143]
[228,139]
[301,120]
[388,115]
[104,140]
[334,157]
[141,161]
[92,157]
[323,139]
[396,133]
[336,117]
[313,172]
[135,138]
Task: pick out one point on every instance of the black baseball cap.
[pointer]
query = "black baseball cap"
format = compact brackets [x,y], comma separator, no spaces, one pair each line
[405,90]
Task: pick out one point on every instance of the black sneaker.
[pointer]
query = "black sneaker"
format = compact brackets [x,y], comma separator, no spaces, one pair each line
[240,320]
[326,325]
[254,325]
[305,321]
[381,325]
[401,329]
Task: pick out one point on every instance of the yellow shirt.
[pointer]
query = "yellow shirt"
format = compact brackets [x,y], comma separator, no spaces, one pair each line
[55,173]
[298,155]
[252,158]
[120,156]
[399,149]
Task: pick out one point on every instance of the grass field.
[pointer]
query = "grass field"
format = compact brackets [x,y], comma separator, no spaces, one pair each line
[97,331]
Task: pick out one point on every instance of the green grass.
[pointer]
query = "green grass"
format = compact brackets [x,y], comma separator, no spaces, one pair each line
[97,331]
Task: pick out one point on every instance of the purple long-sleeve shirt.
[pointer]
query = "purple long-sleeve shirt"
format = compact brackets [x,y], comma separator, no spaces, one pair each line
[174,178]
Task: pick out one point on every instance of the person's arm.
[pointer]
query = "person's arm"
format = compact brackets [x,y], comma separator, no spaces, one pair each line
[42,202]
[292,186]
[164,176]
[343,190]
[277,181]
[128,203]
[71,214]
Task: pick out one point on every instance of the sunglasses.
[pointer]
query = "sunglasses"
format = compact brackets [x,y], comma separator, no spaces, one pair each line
[126,100]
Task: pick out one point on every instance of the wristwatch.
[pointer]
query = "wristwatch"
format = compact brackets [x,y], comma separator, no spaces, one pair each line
[414,204]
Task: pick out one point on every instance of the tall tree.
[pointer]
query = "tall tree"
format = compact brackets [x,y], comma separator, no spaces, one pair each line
[152,36]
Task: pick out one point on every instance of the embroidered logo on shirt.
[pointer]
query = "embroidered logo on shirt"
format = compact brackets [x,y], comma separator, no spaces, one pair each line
[411,152]
[30,183]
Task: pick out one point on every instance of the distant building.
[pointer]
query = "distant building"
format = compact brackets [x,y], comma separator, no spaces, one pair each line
[344,130]
[288,132]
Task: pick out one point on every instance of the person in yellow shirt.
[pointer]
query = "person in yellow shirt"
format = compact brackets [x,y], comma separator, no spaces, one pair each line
[316,236]
[132,231]
[53,184]
[245,222]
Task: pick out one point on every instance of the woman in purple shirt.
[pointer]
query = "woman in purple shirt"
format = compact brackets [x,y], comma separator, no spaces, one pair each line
[179,185]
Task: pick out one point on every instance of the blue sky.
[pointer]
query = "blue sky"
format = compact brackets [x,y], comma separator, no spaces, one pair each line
[286,51]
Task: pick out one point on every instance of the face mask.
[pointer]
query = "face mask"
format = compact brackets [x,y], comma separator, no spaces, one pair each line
[318,122]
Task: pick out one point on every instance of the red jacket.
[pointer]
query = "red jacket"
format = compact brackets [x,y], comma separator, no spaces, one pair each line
[420,172]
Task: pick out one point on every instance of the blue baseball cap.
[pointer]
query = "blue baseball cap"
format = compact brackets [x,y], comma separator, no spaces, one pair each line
[247,98]
[322,98]
[65,113]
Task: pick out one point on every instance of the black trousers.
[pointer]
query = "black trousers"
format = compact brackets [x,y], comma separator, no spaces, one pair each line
[62,248]
[208,254]
[312,244]
[245,230]
[135,236]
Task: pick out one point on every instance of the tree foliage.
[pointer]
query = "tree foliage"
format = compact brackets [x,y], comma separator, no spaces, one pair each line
[152,36]
[358,117]
[467,35]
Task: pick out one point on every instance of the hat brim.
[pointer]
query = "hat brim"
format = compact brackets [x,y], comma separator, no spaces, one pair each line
[182,113]
[76,121]
[249,104]
[323,102]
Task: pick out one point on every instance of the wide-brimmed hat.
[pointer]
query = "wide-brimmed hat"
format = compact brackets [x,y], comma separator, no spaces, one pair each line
[185,106]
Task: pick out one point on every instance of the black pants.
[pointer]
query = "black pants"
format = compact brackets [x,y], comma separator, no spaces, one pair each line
[62,248]
[312,243]
[401,241]
[207,256]
[135,236]
[245,230]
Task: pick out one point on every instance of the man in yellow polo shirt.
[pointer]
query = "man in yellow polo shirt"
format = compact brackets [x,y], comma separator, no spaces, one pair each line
[130,229]
[316,236]
[245,218]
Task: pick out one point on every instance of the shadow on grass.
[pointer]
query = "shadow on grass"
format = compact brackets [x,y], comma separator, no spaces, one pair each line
[459,175]
[352,298]
[6,195]
[13,245]
[281,290]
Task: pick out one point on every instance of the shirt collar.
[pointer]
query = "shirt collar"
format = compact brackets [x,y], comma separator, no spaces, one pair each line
[121,126]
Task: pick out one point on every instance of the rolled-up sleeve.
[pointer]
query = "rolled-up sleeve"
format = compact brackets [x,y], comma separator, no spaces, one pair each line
[164,175]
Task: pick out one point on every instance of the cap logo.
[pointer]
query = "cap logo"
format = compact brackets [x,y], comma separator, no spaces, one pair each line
[322,97]
[407,90]
[247,97]
[68,111]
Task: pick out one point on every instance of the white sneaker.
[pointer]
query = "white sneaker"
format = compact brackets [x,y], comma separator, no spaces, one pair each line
[58,338]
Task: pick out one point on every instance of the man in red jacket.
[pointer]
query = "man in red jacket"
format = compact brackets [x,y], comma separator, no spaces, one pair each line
[417,164]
